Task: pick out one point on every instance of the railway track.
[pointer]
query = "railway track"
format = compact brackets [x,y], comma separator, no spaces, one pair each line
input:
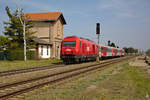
[147,60]
[26,70]
[17,88]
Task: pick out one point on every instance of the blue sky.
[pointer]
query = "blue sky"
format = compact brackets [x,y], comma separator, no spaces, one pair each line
[124,22]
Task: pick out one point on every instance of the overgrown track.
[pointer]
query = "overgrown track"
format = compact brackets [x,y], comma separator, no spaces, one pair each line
[18,71]
[13,89]
[147,60]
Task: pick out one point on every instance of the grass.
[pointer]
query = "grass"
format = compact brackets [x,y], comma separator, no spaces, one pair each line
[118,82]
[73,90]
[11,65]
[130,84]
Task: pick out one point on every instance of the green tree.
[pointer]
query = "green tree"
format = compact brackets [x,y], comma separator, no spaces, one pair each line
[130,50]
[125,49]
[112,44]
[136,50]
[14,30]
[3,42]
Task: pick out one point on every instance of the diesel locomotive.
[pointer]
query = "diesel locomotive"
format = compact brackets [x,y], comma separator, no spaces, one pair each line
[76,49]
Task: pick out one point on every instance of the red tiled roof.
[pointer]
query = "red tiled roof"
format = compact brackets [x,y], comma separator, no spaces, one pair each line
[43,16]
[49,16]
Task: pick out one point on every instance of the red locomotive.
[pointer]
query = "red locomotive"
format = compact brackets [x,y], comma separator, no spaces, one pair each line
[75,49]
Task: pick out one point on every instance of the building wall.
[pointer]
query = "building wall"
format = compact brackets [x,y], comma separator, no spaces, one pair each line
[43,30]
[57,38]
[51,32]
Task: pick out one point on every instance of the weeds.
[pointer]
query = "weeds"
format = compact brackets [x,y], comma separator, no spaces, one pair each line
[10,65]
[128,83]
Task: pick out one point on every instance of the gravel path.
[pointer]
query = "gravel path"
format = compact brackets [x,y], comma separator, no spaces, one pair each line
[140,62]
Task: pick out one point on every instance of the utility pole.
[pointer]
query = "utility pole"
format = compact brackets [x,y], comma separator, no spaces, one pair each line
[24,28]
[98,35]
[24,39]
[24,34]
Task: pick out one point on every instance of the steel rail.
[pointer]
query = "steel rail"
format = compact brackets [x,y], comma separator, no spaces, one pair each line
[46,76]
[85,69]
[25,70]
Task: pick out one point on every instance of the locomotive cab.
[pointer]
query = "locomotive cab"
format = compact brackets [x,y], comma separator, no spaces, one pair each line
[74,49]
[70,49]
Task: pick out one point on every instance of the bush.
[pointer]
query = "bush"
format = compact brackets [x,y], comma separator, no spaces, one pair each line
[31,55]
[18,54]
[1,55]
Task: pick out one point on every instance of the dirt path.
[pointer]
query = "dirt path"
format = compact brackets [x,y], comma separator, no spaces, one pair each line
[140,62]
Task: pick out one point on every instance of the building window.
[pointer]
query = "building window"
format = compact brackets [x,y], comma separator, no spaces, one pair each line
[47,50]
[41,50]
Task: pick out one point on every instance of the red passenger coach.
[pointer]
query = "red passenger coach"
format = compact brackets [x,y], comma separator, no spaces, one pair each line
[110,52]
[75,49]
[104,50]
[114,52]
[121,51]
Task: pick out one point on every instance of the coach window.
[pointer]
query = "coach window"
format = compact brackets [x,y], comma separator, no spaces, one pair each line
[109,50]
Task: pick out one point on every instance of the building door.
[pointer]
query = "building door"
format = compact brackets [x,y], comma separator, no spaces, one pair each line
[45,51]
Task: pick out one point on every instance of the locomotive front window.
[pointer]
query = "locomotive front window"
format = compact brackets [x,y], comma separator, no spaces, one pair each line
[69,43]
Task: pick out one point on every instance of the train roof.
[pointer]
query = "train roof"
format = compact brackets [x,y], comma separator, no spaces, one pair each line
[110,47]
[71,37]
[79,38]
[86,39]
[91,41]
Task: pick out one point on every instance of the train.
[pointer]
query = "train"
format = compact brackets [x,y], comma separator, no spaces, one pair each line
[77,49]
